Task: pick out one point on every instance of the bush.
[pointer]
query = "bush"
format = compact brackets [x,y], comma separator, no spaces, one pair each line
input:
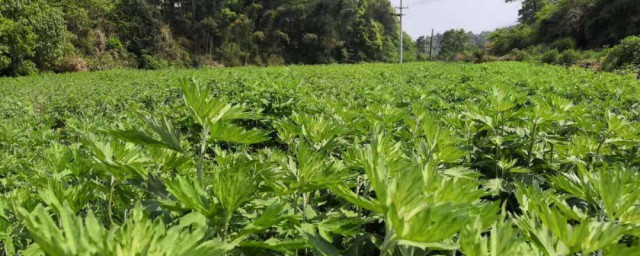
[518,55]
[39,23]
[464,57]
[569,57]
[563,44]
[17,48]
[479,55]
[550,56]
[112,59]
[24,68]
[114,44]
[150,62]
[203,61]
[626,55]
[275,60]
[72,64]
[504,40]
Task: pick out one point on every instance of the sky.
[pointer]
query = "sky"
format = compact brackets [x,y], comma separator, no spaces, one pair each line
[442,15]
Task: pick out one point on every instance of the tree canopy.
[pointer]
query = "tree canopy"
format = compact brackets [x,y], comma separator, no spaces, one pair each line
[32,35]
[589,23]
[149,33]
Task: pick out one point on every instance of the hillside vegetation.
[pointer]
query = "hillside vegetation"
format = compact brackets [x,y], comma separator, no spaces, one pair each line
[374,159]
[599,34]
[78,35]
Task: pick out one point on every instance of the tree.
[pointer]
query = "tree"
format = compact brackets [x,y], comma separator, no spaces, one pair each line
[530,8]
[35,34]
[82,19]
[590,23]
[409,51]
[502,41]
[139,26]
[454,42]
[422,48]
[193,32]
[17,47]
[610,21]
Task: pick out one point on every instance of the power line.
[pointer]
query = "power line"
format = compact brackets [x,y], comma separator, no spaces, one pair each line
[418,3]
[401,14]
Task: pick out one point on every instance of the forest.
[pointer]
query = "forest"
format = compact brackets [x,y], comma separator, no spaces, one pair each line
[71,35]
[597,34]
[590,24]
[79,35]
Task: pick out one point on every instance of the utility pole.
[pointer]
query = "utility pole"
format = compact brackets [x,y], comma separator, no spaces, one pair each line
[431,46]
[400,14]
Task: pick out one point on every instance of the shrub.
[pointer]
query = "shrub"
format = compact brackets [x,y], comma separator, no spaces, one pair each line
[151,62]
[232,54]
[569,57]
[17,48]
[72,64]
[563,44]
[550,56]
[625,55]
[275,60]
[24,68]
[203,61]
[41,35]
[171,50]
[114,44]
[479,55]
[518,55]
[465,57]
[504,40]
[111,60]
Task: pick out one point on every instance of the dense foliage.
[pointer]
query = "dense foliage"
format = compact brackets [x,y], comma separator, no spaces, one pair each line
[32,35]
[626,54]
[577,31]
[455,41]
[419,159]
[75,35]
[450,45]
[590,23]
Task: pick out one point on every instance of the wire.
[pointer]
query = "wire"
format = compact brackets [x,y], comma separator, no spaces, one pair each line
[419,2]
[423,2]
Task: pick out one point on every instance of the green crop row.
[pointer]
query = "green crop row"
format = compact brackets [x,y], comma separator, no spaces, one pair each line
[373,159]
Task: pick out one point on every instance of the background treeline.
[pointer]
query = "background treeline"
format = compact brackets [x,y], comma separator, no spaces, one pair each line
[76,35]
[73,35]
[452,45]
[599,34]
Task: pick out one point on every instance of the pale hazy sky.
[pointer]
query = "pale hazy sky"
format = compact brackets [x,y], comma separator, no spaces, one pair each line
[441,15]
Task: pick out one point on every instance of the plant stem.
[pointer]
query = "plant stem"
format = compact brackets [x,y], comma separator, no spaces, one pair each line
[387,242]
[110,211]
[534,133]
[295,203]
[203,148]
[360,183]
[304,205]
[227,219]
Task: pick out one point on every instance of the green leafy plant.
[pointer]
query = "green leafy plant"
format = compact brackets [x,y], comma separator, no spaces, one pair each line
[372,159]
